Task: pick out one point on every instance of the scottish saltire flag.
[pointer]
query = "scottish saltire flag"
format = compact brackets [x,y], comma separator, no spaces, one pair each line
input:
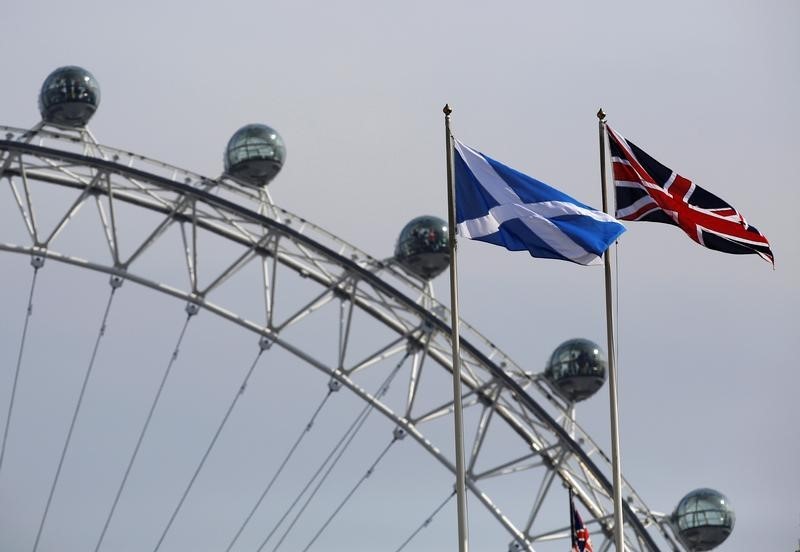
[499,205]
[647,190]
[580,534]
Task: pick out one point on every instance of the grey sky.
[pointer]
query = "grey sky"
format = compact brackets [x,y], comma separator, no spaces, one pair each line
[708,373]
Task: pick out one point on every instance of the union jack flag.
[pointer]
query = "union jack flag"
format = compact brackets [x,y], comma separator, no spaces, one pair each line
[647,190]
[580,534]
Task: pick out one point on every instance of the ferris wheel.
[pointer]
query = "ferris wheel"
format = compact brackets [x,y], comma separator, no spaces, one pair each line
[188,365]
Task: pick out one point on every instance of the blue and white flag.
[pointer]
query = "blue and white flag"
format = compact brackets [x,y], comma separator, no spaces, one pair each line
[498,205]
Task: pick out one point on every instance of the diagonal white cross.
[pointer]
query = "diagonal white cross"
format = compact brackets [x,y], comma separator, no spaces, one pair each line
[536,216]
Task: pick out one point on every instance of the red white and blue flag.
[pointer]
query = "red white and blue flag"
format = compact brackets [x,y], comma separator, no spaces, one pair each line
[647,190]
[580,534]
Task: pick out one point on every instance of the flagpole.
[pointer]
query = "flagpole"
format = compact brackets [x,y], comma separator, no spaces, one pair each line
[458,416]
[612,372]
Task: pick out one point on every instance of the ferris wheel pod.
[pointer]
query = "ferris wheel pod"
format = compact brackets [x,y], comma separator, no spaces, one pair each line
[69,97]
[422,247]
[704,518]
[576,369]
[255,155]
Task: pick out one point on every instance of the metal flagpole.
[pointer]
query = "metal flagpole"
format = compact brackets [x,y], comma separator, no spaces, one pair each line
[612,372]
[458,416]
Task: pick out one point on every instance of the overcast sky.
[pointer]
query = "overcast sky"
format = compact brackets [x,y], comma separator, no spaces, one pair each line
[708,369]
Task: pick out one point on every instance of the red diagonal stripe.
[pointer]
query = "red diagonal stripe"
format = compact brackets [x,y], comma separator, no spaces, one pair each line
[689,218]
[624,172]
[642,174]
[639,213]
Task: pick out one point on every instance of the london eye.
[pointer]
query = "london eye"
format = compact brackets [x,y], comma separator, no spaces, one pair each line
[249,377]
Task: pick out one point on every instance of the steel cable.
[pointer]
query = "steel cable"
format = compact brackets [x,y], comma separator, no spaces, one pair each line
[101,333]
[349,495]
[239,393]
[289,455]
[124,481]
[427,522]
[341,447]
[28,314]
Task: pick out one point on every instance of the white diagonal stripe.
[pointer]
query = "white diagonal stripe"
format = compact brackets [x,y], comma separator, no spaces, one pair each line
[629,184]
[636,205]
[670,181]
[487,176]
[534,215]
[536,221]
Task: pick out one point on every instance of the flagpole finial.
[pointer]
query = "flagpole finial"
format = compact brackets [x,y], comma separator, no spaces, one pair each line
[601,114]
[447,109]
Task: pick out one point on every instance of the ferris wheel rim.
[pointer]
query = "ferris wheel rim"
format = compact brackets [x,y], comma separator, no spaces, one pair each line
[362,273]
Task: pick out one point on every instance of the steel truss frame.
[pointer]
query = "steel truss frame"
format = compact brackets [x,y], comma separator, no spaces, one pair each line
[265,234]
